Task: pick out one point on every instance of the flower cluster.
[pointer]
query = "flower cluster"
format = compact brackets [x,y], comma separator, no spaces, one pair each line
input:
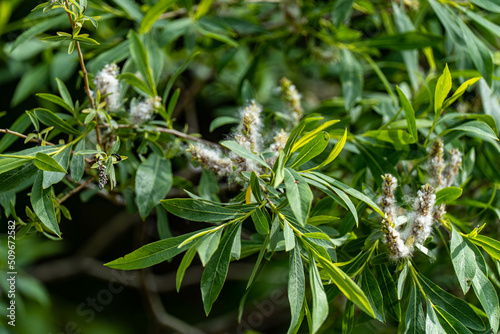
[425,212]
[141,112]
[292,98]
[108,85]
[249,134]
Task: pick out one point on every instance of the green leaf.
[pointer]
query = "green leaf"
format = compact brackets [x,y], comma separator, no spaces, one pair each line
[289,236]
[256,187]
[402,280]
[396,137]
[162,223]
[37,29]
[208,245]
[203,8]
[131,8]
[410,114]
[443,87]
[31,82]
[475,127]
[448,194]
[488,119]
[351,191]
[350,289]
[243,152]
[410,40]
[463,260]
[451,325]
[299,195]
[489,5]
[48,118]
[320,302]
[372,291]
[432,325]
[478,52]
[153,253]
[351,76]
[52,177]
[460,91]
[57,100]
[153,14]
[215,271]
[414,322]
[134,81]
[341,11]
[20,125]
[13,178]
[222,120]
[63,91]
[7,164]
[260,221]
[202,211]
[140,57]
[185,263]
[311,149]
[389,291]
[451,304]
[46,162]
[491,246]
[152,183]
[334,153]
[485,292]
[41,200]
[236,249]
[296,287]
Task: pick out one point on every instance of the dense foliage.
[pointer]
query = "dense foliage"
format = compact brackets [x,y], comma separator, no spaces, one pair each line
[333,164]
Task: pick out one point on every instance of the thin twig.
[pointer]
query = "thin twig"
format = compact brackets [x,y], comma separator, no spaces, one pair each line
[169,131]
[14,133]
[77,189]
[85,76]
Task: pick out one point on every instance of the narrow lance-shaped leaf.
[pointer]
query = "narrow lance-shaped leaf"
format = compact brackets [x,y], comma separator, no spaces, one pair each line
[77,165]
[215,272]
[201,211]
[296,287]
[289,236]
[185,263]
[451,304]
[41,200]
[51,177]
[372,291]
[432,325]
[299,195]
[463,260]
[443,87]
[208,245]
[410,114]
[320,302]
[153,253]
[389,291]
[152,183]
[414,322]
[311,149]
[46,162]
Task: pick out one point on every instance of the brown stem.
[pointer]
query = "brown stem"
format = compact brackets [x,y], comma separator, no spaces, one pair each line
[77,189]
[169,131]
[85,76]
[14,133]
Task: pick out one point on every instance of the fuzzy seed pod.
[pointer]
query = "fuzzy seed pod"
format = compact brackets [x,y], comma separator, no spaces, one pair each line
[451,171]
[397,247]
[106,82]
[423,207]
[292,98]
[436,164]
[211,159]
[387,201]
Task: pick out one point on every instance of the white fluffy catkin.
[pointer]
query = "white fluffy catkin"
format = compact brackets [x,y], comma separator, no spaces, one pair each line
[141,112]
[212,159]
[451,171]
[106,82]
[397,247]
[387,201]
[436,164]
[423,207]
[292,98]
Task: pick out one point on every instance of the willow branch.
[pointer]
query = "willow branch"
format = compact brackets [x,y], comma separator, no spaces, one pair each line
[85,76]
[77,189]
[169,131]
[20,135]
